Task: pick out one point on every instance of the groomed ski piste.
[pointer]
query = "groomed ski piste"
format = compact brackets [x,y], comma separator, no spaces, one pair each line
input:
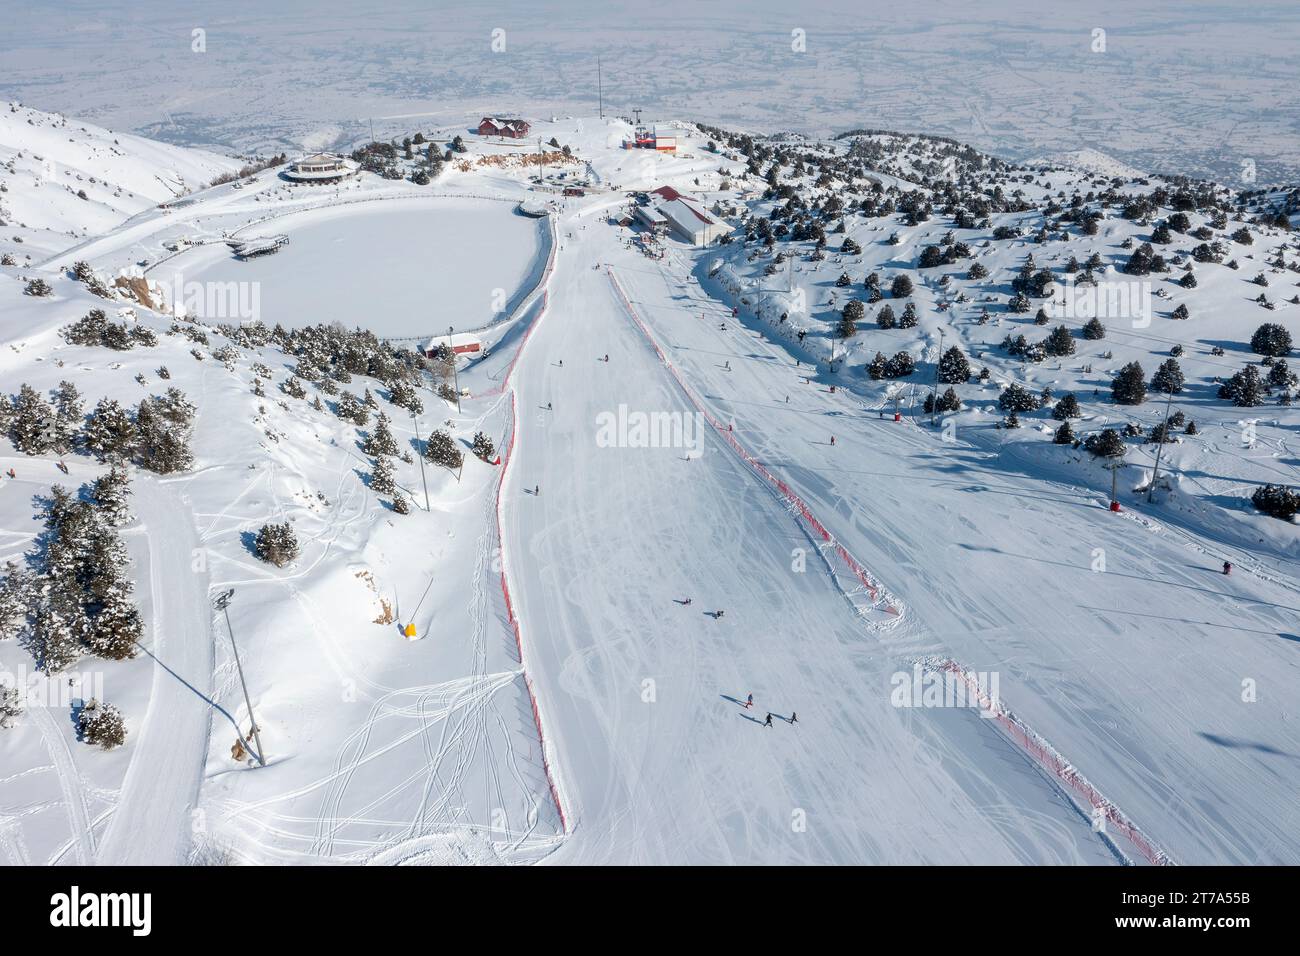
[573,696]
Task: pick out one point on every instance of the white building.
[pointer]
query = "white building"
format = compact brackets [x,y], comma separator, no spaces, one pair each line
[320,168]
[687,217]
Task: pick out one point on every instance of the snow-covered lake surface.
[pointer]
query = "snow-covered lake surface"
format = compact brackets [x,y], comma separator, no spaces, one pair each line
[399,268]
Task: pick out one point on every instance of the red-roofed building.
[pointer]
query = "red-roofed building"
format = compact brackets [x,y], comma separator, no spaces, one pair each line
[498,126]
[687,217]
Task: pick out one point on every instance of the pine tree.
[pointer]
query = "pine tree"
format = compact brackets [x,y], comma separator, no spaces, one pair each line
[482,446]
[908,319]
[1271,339]
[400,506]
[850,315]
[1067,408]
[1064,435]
[948,401]
[15,599]
[878,366]
[381,477]
[1093,329]
[1244,389]
[1129,386]
[380,441]
[1276,501]
[116,628]
[885,317]
[69,416]
[31,424]
[901,287]
[60,628]
[1016,398]
[1105,444]
[1059,342]
[954,369]
[441,450]
[349,408]
[11,706]
[110,434]
[110,493]
[276,544]
[102,725]
[1168,378]
[161,442]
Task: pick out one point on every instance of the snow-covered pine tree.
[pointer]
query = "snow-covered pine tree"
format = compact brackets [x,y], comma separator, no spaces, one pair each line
[1271,339]
[60,629]
[1245,389]
[381,477]
[109,433]
[954,368]
[1016,398]
[482,446]
[31,423]
[11,706]
[15,599]
[1168,378]
[1106,443]
[69,416]
[277,544]
[350,408]
[1129,386]
[1067,408]
[1059,342]
[102,725]
[1093,329]
[380,441]
[116,626]
[441,450]
[110,493]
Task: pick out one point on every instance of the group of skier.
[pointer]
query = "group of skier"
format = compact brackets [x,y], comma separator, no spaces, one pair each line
[792,719]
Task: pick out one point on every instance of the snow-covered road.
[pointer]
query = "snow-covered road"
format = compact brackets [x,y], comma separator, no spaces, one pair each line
[153,821]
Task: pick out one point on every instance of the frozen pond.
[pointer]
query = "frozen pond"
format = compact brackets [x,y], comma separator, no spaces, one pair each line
[399,267]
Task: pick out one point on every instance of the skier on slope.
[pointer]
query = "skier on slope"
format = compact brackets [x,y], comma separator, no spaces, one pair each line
[832,439]
[794,718]
[768,722]
[749,702]
[1227,567]
[548,407]
[537,491]
[727,365]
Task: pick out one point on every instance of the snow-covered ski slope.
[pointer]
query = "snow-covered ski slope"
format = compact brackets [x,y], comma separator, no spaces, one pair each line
[658,761]
[1112,636]
[1135,673]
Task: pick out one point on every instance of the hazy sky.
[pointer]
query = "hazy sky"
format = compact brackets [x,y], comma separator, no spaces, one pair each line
[1177,86]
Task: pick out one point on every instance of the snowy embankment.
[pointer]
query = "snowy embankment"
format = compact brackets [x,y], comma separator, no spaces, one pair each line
[66,179]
